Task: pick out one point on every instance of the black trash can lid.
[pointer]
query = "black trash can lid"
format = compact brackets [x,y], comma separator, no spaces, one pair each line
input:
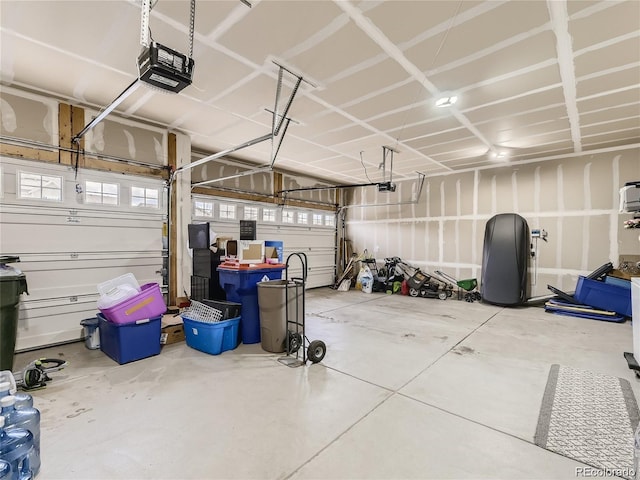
[10,273]
[8,259]
[89,322]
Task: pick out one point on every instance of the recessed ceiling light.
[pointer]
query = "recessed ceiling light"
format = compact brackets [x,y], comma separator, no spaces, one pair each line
[498,155]
[446,101]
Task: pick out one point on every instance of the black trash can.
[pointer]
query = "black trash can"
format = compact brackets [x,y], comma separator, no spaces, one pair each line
[12,284]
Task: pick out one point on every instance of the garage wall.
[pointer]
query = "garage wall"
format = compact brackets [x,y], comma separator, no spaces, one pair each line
[123,138]
[28,116]
[575,200]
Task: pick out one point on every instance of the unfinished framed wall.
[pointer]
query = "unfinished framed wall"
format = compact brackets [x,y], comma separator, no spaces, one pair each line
[575,199]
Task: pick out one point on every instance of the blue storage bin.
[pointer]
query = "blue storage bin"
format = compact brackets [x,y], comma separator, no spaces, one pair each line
[603,295]
[242,286]
[213,338]
[128,342]
[618,282]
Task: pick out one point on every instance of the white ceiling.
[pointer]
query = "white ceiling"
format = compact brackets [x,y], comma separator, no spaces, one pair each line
[534,79]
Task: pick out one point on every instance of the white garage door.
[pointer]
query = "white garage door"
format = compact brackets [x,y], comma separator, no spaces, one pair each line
[312,232]
[71,233]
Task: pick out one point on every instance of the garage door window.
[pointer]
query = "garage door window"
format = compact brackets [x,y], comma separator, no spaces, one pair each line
[303,217]
[202,209]
[102,193]
[268,215]
[41,187]
[317,219]
[329,220]
[144,197]
[251,213]
[227,212]
[287,216]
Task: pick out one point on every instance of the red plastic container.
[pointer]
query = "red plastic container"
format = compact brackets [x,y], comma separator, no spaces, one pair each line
[149,303]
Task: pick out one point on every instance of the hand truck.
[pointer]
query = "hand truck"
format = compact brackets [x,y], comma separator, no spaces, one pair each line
[296,336]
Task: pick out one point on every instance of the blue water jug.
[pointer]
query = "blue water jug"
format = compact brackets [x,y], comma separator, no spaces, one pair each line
[25,418]
[5,470]
[16,449]
[22,399]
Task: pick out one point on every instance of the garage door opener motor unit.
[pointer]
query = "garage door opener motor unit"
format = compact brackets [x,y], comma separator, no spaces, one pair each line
[165,68]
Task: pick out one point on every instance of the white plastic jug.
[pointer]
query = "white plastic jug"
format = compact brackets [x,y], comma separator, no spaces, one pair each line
[367,280]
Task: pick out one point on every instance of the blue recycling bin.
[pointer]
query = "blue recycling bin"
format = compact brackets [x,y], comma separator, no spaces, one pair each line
[241,286]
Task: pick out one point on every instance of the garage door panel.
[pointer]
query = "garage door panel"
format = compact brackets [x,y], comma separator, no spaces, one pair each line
[299,240]
[90,258]
[38,309]
[51,321]
[59,326]
[26,237]
[59,282]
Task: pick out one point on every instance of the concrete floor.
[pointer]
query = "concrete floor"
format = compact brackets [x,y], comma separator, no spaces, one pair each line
[409,388]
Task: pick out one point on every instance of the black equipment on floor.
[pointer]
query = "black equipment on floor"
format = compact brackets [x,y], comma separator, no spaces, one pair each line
[36,374]
[205,281]
[505,260]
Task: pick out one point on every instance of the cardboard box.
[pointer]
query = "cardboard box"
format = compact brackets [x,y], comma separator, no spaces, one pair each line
[619,274]
[251,251]
[172,330]
[182,302]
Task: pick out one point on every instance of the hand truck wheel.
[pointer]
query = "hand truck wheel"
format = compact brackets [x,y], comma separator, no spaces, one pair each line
[316,351]
[442,296]
[413,292]
[295,341]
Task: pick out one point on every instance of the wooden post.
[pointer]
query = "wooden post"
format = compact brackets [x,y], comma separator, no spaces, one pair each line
[277,184]
[173,230]
[77,124]
[64,132]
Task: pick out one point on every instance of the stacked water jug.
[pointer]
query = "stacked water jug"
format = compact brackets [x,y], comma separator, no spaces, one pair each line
[19,434]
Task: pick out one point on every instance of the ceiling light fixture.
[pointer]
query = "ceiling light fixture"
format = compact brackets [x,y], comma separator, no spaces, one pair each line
[446,101]
[500,155]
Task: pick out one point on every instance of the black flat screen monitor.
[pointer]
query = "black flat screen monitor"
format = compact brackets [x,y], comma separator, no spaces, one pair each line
[199,235]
